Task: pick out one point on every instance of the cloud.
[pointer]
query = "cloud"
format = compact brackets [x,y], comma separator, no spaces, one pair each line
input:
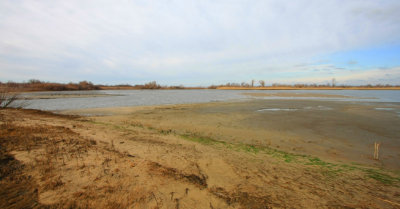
[132,41]
[344,76]
[352,62]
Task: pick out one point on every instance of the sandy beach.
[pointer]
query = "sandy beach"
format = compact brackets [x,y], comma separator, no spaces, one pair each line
[333,130]
[249,154]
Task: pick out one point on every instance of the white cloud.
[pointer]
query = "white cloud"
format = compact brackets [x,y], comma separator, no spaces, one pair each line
[346,77]
[175,38]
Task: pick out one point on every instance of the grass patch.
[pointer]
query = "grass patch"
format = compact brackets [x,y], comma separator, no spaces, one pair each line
[245,148]
[382,177]
[317,161]
[288,157]
[201,140]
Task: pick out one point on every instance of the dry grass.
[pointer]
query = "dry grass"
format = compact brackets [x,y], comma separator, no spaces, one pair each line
[62,169]
[49,150]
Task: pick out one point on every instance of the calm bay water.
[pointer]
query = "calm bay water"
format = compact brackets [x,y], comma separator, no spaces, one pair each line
[121,98]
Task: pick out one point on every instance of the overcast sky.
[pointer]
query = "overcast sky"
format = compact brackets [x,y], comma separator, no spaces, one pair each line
[201,42]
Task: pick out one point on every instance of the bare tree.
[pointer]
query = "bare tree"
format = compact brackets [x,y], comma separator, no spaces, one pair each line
[151,85]
[333,82]
[262,83]
[244,84]
[6,98]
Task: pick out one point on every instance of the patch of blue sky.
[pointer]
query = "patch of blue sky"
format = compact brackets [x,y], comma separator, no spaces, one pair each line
[386,56]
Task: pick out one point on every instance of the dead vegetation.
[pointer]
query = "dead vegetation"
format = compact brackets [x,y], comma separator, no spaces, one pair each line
[61,169]
[49,161]
[7,98]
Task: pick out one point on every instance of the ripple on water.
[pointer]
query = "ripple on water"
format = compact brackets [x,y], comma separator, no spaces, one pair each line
[295,109]
[277,109]
[319,107]
[384,108]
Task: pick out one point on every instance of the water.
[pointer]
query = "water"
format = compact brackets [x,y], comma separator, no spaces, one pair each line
[277,109]
[123,98]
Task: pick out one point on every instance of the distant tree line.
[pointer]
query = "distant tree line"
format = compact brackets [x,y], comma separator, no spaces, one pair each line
[333,83]
[37,85]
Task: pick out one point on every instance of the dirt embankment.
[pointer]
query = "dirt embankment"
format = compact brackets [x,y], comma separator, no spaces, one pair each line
[53,161]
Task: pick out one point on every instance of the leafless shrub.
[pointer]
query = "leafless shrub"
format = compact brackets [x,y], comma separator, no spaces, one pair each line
[151,85]
[262,83]
[7,98]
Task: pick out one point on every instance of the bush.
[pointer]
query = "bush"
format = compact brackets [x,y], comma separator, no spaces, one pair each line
[6,98]
[151,85]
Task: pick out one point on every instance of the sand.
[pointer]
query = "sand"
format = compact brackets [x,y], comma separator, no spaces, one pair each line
[338,131]
[215,155]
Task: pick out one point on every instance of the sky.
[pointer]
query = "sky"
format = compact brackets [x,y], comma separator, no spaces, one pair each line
[199,43]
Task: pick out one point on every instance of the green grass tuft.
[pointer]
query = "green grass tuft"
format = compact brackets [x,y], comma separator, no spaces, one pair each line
[382,177]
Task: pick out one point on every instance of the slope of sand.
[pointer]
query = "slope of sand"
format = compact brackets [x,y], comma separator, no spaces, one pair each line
[129,160]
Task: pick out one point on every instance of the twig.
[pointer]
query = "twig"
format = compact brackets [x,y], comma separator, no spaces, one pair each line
[388,201]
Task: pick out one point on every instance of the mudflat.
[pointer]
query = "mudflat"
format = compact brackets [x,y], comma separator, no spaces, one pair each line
[249,154]
[332,130]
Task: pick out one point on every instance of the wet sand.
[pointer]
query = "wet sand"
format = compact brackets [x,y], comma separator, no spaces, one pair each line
[250,154]
[332,130]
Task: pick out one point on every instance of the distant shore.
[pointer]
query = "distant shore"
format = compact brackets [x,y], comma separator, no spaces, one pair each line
[309,88]
[21,90]
[37,85]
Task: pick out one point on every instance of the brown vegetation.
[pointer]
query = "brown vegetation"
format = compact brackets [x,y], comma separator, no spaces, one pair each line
[37,85]
[7,98]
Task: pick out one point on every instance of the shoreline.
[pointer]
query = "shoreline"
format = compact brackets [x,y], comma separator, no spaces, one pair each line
[308,88]
[238,120]
[217,88]
[134,160]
